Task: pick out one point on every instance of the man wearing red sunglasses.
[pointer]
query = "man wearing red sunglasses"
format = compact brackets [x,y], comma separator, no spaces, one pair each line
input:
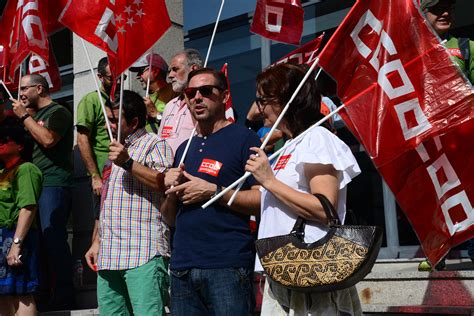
[212,248]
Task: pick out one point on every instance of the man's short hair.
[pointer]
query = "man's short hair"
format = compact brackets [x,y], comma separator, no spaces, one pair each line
[103,63]
[193,57]
[219,76]
[36,79]
[133,106]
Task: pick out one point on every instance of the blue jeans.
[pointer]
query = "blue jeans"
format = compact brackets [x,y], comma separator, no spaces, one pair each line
[212,292]
[54,208]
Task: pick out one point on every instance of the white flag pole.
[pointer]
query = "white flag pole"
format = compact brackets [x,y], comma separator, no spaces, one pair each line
[102,105]
[205,64]
[149,75]
[6,89]
[19,79]
[119,127]
[274,155]
[280,117]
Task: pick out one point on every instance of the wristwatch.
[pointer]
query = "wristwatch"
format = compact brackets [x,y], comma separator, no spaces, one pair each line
[127,165]
[24,117]
[17,241]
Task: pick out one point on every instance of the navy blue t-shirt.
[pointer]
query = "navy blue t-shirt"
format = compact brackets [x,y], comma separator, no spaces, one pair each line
[215,237]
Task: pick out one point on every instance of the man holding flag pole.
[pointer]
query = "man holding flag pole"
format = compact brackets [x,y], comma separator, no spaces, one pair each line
[213,248]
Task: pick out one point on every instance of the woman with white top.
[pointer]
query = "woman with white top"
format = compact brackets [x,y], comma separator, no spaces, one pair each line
[319,163]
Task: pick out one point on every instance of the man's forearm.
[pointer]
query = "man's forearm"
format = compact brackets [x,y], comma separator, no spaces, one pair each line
[95,232]
[149,177]
[41,134]
[86,153]
[246,202]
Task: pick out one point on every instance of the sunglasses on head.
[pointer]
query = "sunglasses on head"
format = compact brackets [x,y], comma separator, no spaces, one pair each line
[205,91]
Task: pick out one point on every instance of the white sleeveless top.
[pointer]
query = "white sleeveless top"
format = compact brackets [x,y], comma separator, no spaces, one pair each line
[318,146]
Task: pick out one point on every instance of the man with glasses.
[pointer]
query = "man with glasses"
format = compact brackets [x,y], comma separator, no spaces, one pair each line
[153,68]
[177,123]
[92,136]
[440,15]
[213,253]
[51,127]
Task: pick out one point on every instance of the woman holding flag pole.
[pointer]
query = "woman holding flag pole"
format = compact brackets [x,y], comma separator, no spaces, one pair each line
[318,163]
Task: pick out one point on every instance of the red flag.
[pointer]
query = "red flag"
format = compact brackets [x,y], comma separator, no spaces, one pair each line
[125,29]
[412,111]
[25,20]
[229,111]
[306,54]
[50,72]
[279,20]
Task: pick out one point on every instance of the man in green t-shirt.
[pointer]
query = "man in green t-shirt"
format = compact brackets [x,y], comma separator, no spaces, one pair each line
[155,68]
[92,136]
[51,127]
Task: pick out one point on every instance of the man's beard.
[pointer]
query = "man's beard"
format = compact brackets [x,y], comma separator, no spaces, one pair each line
[178,86]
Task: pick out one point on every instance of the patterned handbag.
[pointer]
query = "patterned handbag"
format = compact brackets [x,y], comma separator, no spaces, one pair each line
[339,260]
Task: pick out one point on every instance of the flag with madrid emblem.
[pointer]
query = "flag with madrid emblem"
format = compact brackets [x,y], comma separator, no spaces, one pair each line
[124,29]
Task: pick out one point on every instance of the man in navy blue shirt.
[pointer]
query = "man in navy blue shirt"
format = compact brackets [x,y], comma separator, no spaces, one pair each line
[213,249]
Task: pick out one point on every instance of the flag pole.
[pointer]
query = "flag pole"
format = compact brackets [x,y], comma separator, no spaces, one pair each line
[274,155]
[102,105]
[19,79]
[205,64]
[6,89]
[149,74]
[119,127]
[280,117]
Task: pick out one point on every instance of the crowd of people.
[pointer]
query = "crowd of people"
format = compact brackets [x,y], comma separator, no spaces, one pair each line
[152,244]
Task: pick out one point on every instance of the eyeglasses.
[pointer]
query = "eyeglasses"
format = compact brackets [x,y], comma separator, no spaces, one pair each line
[109,77]
[262,102]
[24,88]
[205,91]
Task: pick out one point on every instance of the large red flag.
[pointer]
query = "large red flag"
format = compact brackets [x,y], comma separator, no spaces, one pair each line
[25,22]
[229,111]
[36,65]
[279,20]
[124,29]
[413,111]
[306,54]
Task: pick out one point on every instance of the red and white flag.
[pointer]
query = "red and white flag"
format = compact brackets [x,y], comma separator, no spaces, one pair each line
[229,111]
[279,20]
[25,22]
[413,112]
[306,54]
[124,29]
[36,65]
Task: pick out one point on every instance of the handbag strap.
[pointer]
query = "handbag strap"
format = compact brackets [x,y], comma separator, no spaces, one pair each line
[329,209]
[331,214]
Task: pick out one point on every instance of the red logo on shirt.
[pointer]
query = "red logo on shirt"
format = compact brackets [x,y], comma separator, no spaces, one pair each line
[166,132]
[456,52]
[282,162]
[211,167]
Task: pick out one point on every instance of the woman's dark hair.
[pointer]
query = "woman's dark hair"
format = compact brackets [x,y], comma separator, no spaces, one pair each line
[279,83]
[12,129]
[133,106]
